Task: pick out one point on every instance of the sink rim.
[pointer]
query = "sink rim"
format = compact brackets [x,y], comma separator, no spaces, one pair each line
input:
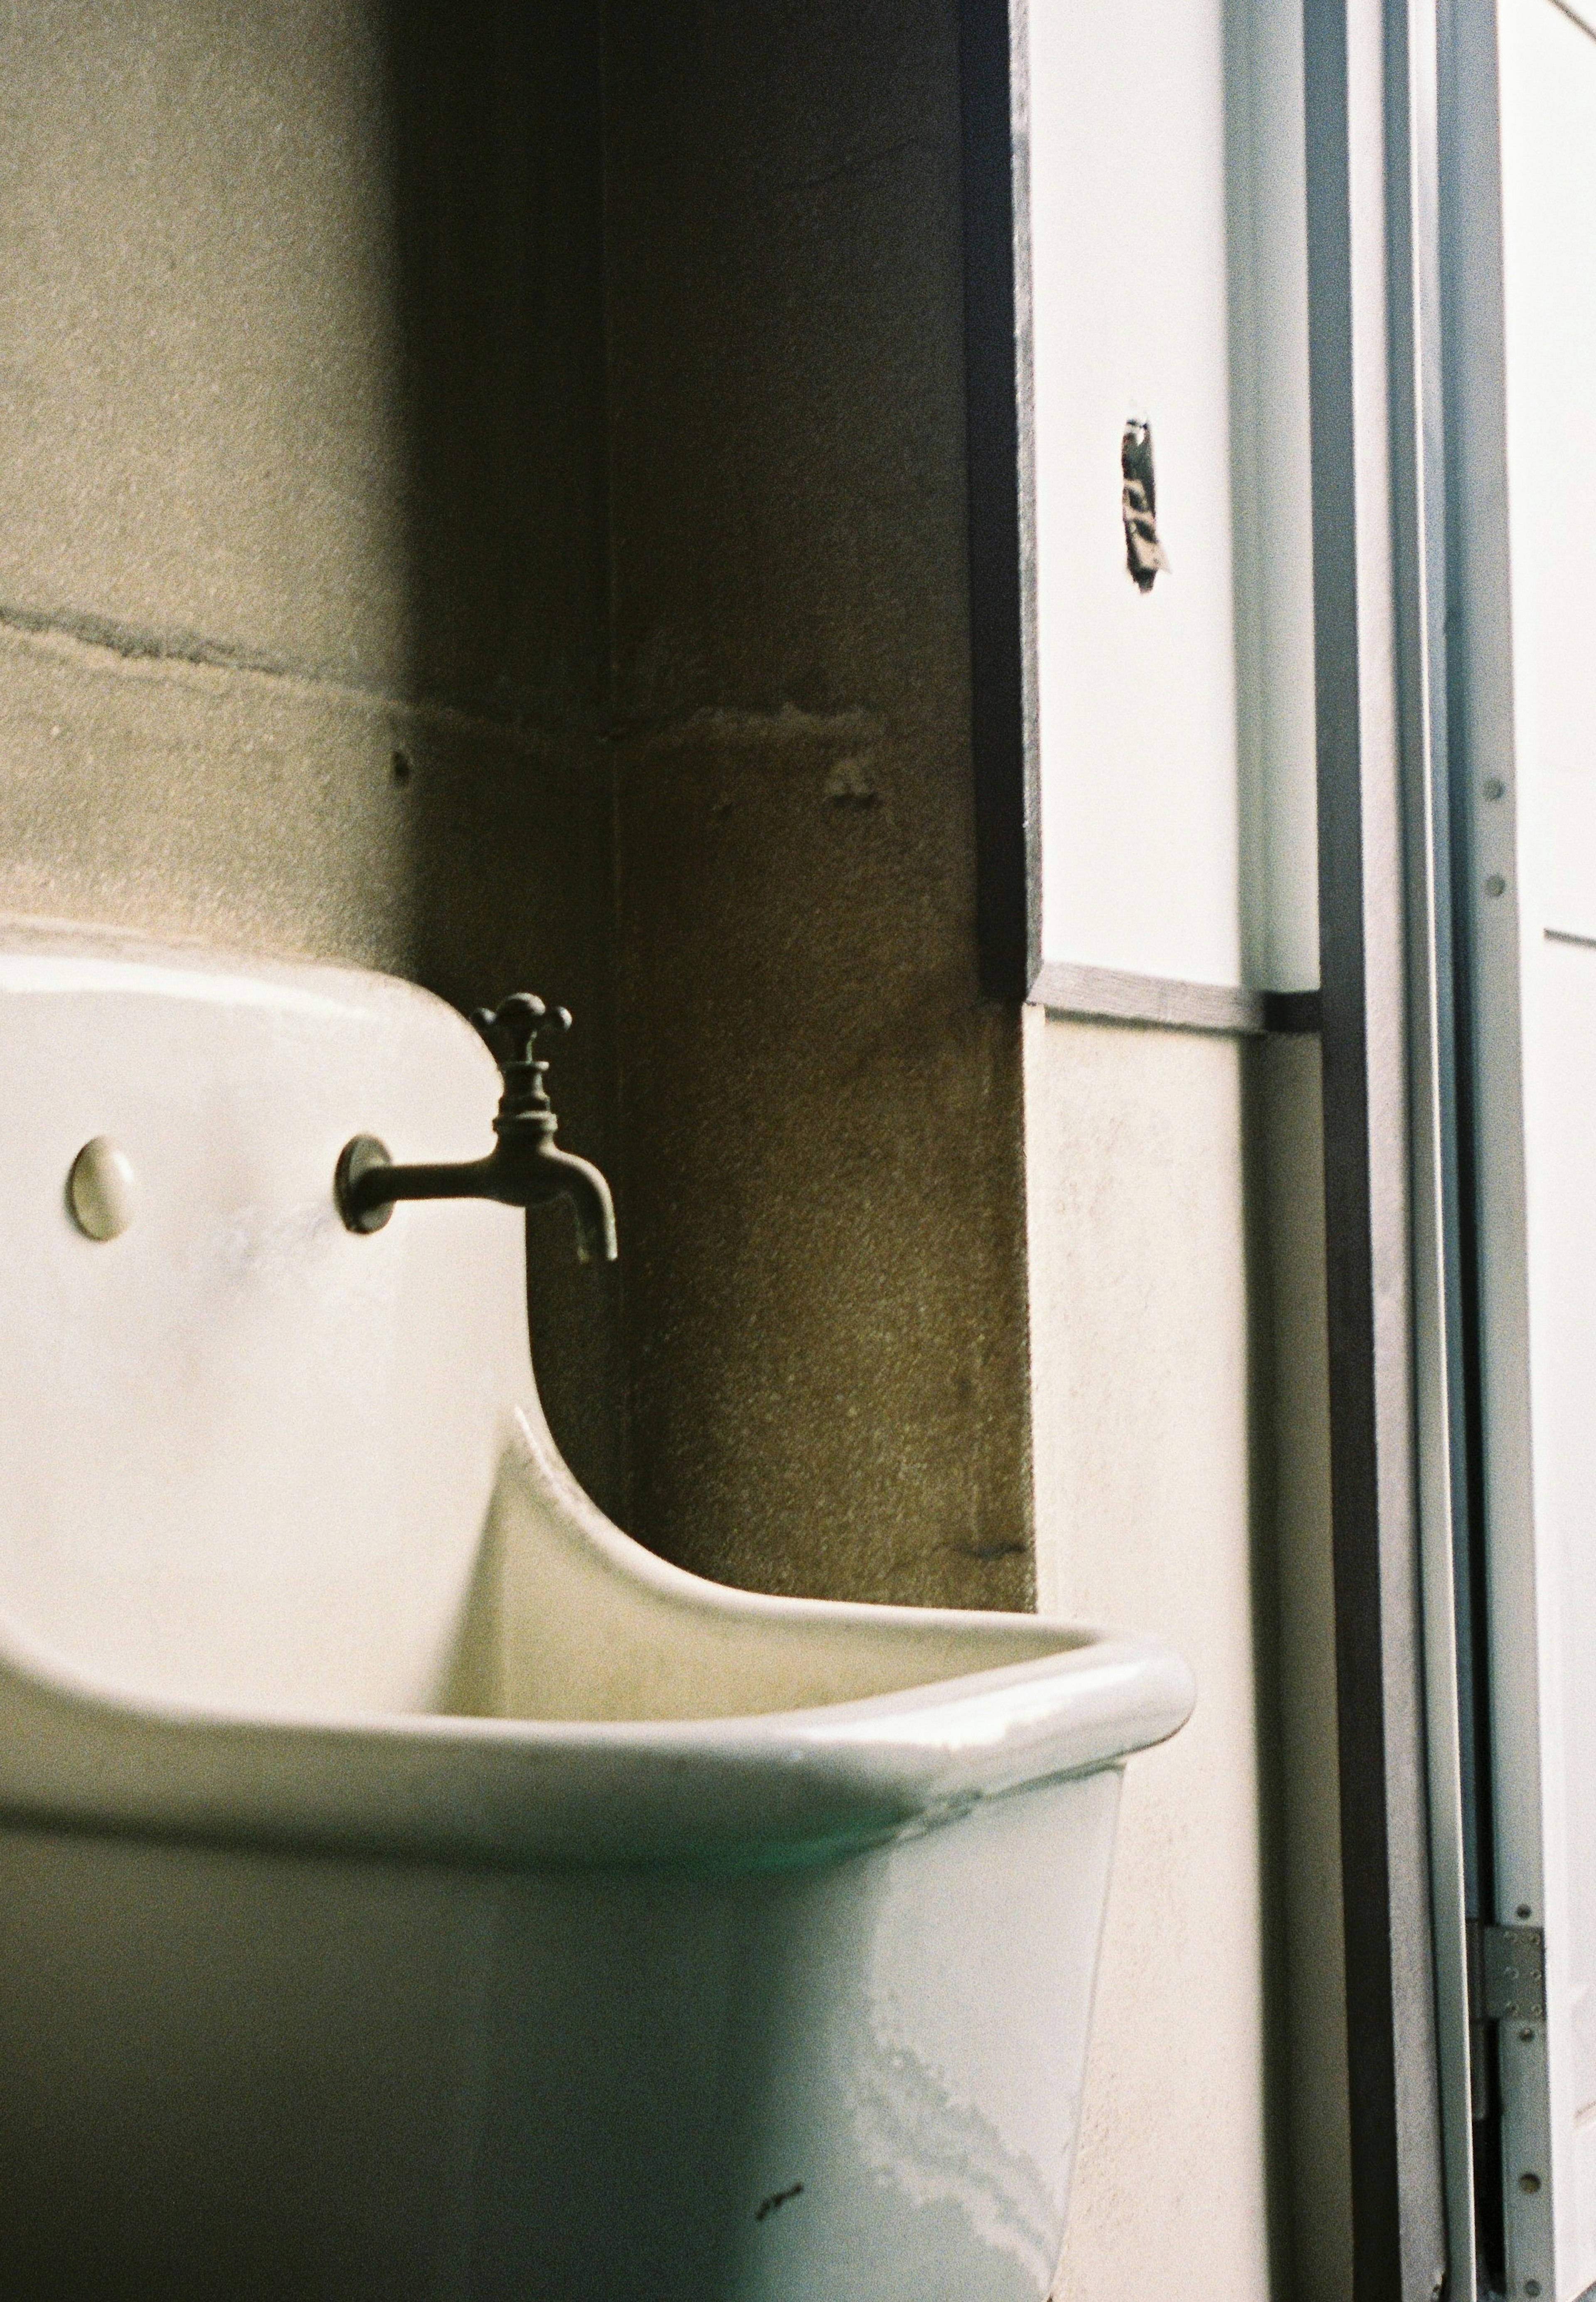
[763,1791]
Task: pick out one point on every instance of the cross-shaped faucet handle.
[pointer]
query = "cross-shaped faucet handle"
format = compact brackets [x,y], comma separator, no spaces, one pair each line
[511,1030]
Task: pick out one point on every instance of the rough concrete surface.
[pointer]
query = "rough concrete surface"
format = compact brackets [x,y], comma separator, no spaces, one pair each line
[821,1126]
[824,1219]
[301,376]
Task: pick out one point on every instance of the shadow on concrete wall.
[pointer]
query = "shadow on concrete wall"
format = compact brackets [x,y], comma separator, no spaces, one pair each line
[497,197]
[683,395]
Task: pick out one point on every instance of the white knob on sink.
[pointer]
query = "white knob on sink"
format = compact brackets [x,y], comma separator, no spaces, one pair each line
[103,1188]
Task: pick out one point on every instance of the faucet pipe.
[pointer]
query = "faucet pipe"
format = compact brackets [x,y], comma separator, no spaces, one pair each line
[525,1168]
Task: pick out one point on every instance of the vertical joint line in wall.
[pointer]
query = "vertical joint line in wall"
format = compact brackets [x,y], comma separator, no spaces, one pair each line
[1030,673]
[608,718]
[607,709]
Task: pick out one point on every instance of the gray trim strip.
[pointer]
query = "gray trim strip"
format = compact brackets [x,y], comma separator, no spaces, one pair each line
[999,452]
[1112,994]
[1358,60]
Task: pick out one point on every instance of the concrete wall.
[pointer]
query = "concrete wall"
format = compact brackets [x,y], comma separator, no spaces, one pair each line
[821,1127]
[464,468]
[302,527]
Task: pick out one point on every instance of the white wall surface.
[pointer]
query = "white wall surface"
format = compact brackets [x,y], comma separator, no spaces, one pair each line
[1272,529]
[1182,1490]
[1144,1519]
[1170,283]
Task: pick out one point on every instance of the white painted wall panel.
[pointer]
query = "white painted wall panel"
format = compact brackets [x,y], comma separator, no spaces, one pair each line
[1170,283]
[1272,527]
[1141,1342]
[1139,832]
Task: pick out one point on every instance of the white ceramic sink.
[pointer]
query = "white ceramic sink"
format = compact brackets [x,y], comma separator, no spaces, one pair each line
[410,1885]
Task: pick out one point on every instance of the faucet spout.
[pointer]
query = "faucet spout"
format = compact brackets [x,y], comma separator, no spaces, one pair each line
[584,1184]
[525,1168]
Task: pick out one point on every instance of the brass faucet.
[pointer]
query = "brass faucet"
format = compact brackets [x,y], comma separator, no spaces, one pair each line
[523,1169]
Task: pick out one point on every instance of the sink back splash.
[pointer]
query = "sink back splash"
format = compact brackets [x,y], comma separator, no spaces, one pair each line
[242,1450]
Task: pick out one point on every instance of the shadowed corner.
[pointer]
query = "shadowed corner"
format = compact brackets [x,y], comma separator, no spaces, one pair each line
[505,781]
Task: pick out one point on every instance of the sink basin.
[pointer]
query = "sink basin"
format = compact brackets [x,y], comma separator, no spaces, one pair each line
[410,1885]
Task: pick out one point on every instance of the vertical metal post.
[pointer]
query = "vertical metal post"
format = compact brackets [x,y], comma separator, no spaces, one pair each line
[1441,1372]
[1000,448]
[1400,2236]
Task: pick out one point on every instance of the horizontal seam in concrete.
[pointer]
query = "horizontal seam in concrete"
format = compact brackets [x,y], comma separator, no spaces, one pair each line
[151,646]
[73,629]
[1112,994]
[733,724]
[194,650]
